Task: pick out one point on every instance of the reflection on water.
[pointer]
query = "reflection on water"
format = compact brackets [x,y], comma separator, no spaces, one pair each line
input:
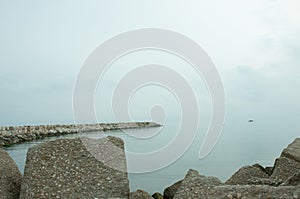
[229,154]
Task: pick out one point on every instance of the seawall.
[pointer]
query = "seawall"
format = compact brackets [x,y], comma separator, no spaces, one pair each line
[17,134]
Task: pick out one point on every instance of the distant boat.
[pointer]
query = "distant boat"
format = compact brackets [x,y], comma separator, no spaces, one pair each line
[250,120]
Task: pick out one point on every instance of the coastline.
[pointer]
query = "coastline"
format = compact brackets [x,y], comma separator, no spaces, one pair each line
[10,135]
[64,168]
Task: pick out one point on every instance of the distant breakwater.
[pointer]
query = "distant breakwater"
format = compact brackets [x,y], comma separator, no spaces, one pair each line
[17,134]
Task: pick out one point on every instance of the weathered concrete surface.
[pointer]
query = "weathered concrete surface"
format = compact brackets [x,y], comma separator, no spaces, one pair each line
[283,177]
[294,180]
[10,177]
[269,170]
[66,169]
[292,151]
[243,192]
[140,194]
[170,191]
[288,164]
[195,185]
[17,134]
[248,175]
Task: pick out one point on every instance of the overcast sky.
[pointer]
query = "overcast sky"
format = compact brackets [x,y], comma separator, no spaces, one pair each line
[254,44]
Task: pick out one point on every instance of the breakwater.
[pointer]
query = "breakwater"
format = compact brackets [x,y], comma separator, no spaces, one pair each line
[17,134]
[64,168]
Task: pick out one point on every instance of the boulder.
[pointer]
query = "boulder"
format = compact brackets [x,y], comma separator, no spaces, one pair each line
[140,194]
[284,168]
[294,180]
[292,151]
[195,185]
[288,163]
[170,191]
[248,175]
[247,192]
[10,177]
[66,168]
[157,196]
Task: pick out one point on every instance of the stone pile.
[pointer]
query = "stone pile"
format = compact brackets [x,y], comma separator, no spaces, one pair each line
[12,135]
[250,182]
[89,168]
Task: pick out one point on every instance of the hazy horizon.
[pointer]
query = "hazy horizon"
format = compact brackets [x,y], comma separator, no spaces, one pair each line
[254,45]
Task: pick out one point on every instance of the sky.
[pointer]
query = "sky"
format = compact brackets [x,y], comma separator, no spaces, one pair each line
[254,45]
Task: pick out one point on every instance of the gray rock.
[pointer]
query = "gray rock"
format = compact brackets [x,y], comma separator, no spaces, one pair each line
[247,192]
[18,134]
[292,151]
[264,181]
[288,163]
[65,168]
[293,180]
[284,168]
[170,191]
[10,177]
[140,194]
[157,196]
[269,170]
[195,185]
[248,175]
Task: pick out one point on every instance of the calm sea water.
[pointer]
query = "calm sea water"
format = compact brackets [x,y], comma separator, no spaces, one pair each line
[233,150]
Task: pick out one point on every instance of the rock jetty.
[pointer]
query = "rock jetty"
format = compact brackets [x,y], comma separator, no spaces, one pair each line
[282,181]
[64,168]
[250,182]
[201,187]
[17,134]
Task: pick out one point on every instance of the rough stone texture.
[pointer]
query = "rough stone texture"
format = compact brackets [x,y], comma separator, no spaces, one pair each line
[284,168]
[248,175]
[195,185]
[293,180]
[140,194]
[170,191]
[264,181]
[65,168]
[17,134]
[292,151]
[269,170]
[10,177]
[157,196]
[244,192]
[288,163]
